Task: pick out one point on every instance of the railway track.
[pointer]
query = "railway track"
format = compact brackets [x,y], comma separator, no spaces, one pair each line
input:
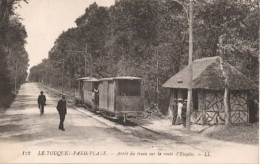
[135,129]
[141,131]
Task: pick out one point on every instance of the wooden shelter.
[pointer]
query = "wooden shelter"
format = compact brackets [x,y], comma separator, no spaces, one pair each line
[219,92]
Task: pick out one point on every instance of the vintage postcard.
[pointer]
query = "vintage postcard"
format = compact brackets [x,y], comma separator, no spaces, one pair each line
[129,81]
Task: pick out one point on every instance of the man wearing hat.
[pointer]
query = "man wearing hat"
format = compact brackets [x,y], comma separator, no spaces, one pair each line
[62,109]
[41,102]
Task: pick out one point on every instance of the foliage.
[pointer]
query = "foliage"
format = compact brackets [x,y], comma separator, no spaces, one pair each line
[149,39]
[14,58]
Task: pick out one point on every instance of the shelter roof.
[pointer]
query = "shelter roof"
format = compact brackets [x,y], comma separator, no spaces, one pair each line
[210,73]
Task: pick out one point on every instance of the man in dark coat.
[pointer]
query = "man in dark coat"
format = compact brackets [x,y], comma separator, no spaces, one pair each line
[41,102]
[62,109]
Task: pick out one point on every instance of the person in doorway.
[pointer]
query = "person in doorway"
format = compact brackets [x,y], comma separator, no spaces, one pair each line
[179,107]
[174,111]
[41,102]
[62,109]
[183,113]
[96,91]
[95,97]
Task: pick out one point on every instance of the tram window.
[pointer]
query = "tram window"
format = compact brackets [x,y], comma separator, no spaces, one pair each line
[88,86]
[129,88]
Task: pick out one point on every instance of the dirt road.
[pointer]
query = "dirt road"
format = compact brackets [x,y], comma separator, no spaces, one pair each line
[27,137]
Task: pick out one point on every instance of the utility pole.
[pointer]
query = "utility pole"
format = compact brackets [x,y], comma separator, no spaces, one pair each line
[91,62]
[157,81]
[15,78]
[91,65]
[190,66]
[85,59]
[62,76]
[189,15]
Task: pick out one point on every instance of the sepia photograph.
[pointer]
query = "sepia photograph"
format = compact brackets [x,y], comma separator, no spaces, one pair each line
[129,81]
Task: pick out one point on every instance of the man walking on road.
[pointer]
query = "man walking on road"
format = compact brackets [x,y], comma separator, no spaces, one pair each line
[41,102]
[62,109]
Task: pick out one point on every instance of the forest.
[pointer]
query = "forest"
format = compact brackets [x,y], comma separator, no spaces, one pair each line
[13,56]
[149,39]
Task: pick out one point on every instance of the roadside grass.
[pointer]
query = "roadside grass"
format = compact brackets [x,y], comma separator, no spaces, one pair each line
[6,101]
[70,93]
[247,134]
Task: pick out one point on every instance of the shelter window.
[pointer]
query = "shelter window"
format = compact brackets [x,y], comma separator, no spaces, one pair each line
[129,87]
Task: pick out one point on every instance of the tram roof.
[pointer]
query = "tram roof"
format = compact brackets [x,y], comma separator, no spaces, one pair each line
[121,78]
[88,79]
[92,79]
[83,78]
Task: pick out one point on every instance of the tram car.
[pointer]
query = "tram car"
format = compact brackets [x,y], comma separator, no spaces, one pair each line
[116,97]
[120,98]
[84,96]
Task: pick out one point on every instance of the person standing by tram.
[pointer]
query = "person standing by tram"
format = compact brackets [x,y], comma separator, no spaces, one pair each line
[41,102]
[95,97]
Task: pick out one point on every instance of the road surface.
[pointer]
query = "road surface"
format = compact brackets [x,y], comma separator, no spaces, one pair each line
[27,137]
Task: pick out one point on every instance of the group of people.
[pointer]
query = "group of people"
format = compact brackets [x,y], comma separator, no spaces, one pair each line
[61,108]
[179,112]
[179,108]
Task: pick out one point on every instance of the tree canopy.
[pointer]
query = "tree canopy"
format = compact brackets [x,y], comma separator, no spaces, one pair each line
[14,58]
[149,39]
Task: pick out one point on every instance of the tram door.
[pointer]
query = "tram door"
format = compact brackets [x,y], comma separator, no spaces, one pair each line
[103,94]
[111,95]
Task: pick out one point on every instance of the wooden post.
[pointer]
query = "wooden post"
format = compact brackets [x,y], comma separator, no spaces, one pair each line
[171,103]
[203,105]
[227,107]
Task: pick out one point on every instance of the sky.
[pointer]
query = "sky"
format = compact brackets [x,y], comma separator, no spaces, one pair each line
[45,20]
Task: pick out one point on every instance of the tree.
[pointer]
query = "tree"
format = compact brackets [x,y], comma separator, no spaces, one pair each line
[149,39]
[12,41]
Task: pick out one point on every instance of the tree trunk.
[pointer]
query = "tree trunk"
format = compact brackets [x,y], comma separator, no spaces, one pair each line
[227,107]
[226,94]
